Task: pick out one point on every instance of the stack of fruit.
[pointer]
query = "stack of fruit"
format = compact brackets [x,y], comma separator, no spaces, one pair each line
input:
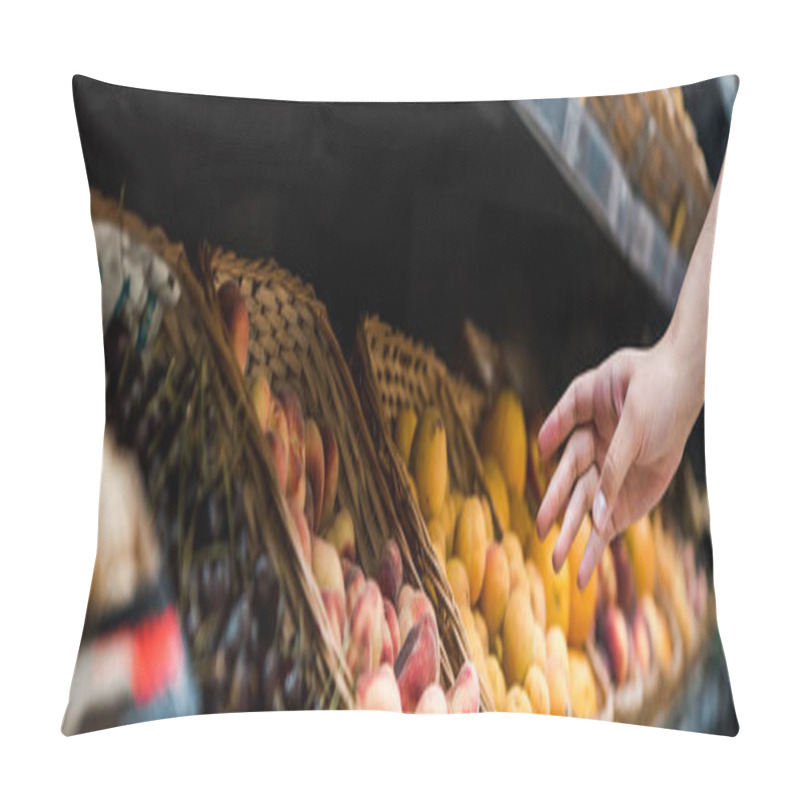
[387,630]
[514,620]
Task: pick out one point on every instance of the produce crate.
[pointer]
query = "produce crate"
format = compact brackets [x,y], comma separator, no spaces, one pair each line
[198,441]
[394,372]
[292,341]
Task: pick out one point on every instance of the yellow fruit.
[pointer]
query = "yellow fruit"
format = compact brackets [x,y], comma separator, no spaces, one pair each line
[582,691]
[513,548]
[474,641]
[447,520]
[517,576]
[582,604]
[496,588]
[404,427]
[536,688]
[496,484]
[504,437]
[429,462]
[520,518]
[437,533]
[497,683]
[539,646]
[557,648]
[557,686]
[517,701]
[483,631]
[536,584]
[459,580]
[556,584]
[518,633]
[470,545]
[496,646]
[488,521]
[641,545]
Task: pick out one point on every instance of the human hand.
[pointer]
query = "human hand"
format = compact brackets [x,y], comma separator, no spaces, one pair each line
[625,424]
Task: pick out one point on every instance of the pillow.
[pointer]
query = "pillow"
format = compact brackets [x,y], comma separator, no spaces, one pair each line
[463,472]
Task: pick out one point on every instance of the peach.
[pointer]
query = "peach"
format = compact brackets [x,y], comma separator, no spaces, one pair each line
[417,664]
[387,648]
[302,534]
[641,641]
[334,608]
[459,580]
[432,701]
[517,701]
[416,607]
[330,450]
[536,688]
[464,696]
[353,585]
[341,534]
[394,626]
[366,631]
[406,591]
[614,633]
[308,506]
[280,457]
[261,397]
[297,448]
[326,567]
[237,321]
[315,469]
[496,588]
[470,545]
[390,570]
[378,691]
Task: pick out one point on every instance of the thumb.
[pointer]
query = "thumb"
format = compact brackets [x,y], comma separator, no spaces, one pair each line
[619,458]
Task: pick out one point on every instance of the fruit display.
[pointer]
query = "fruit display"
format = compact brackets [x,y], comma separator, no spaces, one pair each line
[381,619]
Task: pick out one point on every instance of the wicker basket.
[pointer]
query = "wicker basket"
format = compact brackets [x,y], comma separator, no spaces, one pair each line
[292,341]
[393,372]
[189,334]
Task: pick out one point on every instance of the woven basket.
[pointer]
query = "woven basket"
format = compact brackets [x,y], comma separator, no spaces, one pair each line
[292,342]
[189,334]
[393,372]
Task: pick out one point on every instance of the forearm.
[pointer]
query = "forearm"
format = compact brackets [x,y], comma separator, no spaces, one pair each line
[687,334]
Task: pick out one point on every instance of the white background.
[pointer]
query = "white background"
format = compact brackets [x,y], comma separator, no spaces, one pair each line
[52,386]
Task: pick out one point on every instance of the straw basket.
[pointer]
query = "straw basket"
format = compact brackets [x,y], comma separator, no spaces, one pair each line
[201,439]
[292,342]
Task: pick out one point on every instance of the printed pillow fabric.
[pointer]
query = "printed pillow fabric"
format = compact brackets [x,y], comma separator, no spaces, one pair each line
[375,382]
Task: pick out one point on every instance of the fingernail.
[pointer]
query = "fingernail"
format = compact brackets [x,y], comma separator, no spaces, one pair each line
[599,510]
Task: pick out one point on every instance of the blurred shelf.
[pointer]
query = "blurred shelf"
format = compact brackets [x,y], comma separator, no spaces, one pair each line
[580,150]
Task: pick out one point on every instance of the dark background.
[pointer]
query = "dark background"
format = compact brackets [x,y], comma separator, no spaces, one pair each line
[421,213]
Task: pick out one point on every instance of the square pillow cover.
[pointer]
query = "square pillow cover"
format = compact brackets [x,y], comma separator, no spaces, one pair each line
[404,407]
